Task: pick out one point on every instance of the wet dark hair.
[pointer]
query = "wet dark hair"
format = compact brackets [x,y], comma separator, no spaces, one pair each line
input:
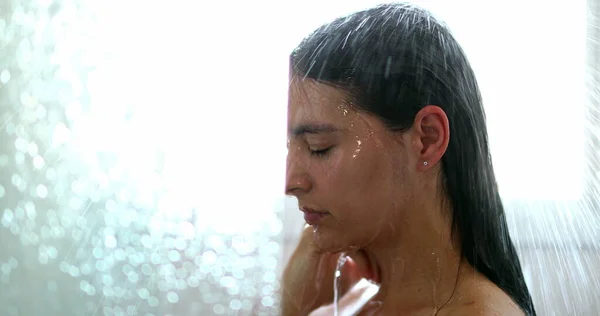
[395,59]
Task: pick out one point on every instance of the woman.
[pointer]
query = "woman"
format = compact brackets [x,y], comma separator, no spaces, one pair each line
[389,160]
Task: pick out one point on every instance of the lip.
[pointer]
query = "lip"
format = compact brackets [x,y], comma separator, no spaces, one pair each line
[313,217]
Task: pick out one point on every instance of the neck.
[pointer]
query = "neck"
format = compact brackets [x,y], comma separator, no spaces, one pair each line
[421,268]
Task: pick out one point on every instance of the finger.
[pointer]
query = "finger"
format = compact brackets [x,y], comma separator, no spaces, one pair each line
[372,308]
[325,276]
[326,310]
[350,275]
[357,298]
[362,263]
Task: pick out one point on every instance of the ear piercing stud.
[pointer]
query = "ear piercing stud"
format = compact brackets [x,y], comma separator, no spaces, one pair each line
[425,163]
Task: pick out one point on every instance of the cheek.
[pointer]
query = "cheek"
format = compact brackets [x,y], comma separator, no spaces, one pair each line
[378,182]
[350,168]
[357,176]
[363,181]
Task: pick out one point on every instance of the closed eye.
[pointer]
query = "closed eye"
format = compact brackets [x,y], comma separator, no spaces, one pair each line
[320,152]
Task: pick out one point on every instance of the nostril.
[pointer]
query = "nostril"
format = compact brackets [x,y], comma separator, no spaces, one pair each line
[294,191]
[290,192]
[298,184]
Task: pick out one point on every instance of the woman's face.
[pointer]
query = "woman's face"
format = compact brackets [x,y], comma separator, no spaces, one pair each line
[346,166]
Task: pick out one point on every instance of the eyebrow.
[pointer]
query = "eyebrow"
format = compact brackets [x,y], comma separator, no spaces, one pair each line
[312,129]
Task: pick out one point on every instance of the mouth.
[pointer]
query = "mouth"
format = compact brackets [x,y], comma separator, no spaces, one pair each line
[313,217]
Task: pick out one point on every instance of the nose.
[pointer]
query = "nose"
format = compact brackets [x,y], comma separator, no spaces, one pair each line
[297,180]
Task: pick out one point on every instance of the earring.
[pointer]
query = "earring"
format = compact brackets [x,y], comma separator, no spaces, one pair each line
[425,163]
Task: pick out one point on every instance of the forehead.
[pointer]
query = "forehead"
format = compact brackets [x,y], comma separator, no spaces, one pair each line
[310,100]
[325,108]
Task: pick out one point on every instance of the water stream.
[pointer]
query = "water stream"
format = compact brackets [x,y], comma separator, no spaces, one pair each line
[336,283]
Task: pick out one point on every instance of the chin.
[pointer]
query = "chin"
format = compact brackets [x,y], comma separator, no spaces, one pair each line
[329,241]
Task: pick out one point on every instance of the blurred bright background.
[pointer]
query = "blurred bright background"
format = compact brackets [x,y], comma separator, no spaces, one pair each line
[142,149]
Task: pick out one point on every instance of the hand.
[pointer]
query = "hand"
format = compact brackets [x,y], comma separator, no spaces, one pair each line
[307,282]
[357,299]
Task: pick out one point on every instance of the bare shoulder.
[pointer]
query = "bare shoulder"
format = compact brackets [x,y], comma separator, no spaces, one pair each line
[479,296]
[483,309]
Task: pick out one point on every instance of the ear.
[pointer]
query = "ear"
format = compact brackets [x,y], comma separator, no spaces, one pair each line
[431,134]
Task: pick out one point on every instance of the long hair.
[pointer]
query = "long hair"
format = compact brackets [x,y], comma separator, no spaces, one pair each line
[395,59]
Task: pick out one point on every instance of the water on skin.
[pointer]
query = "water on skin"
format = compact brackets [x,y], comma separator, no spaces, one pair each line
[336,283]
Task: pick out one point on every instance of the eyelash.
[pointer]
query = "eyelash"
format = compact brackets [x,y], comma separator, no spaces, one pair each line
[320,153]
